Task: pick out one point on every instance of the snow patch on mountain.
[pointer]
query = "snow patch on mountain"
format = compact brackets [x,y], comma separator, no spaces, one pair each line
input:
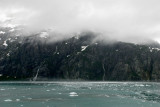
[5,43]
[17,35]
[158,49]
[1,32]
[151,49]
[8,54]
[76,37]
[10,25]
[68,55]
[44,35]
[12,30]
[9,39]
[83,48]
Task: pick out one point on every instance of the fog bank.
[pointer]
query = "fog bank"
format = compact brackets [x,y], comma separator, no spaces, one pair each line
[124,20]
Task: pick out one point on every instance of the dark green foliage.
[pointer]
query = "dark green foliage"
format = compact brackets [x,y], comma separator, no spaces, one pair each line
[65,60]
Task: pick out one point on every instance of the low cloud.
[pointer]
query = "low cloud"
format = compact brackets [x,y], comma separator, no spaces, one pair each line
[124,20]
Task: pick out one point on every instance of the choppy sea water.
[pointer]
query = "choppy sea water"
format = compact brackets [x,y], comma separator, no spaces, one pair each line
[79,94]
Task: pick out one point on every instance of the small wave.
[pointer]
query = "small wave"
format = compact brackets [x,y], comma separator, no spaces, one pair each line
[8,100]
[17,99]
[29,98]
[139,85]
[2,89]
[72,94]
[106,95]
[148,85]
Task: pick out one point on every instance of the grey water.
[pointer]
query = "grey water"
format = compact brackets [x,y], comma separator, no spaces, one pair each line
[79,94]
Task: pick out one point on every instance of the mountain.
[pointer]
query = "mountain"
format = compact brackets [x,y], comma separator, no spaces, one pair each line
[81,57]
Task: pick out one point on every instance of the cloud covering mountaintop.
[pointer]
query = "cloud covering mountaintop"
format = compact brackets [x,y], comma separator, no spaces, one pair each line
[125,20]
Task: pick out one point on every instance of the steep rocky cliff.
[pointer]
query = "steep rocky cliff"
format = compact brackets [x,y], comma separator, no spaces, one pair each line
[80,57]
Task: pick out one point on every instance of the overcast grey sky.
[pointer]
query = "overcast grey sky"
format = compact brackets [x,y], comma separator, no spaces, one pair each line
[125,20]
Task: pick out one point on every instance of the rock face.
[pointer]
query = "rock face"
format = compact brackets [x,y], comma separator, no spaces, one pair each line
[78,58]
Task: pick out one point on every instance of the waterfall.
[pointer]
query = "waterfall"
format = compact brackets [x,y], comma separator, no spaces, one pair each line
[35,78]
[104,75]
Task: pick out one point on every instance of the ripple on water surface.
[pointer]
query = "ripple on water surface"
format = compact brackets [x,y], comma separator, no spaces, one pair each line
[80,94]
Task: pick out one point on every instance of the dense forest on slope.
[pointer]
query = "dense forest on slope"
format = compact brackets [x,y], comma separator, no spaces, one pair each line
[80,57]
